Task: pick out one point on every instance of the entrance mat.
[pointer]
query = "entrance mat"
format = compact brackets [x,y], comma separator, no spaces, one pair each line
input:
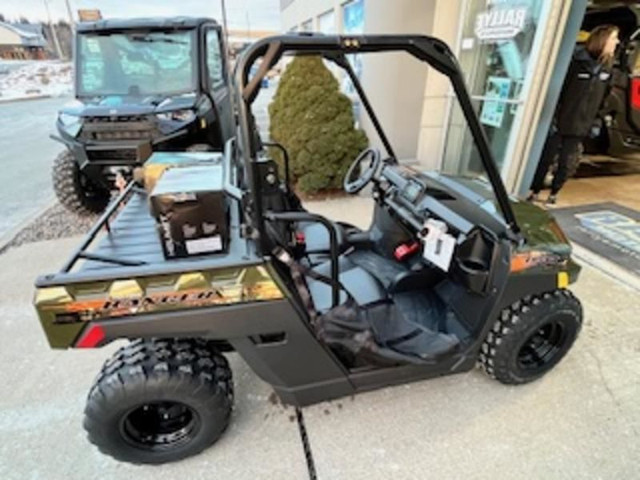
[608,229]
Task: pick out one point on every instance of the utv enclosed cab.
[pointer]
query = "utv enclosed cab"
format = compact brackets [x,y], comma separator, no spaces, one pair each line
[140,85]
[445,277]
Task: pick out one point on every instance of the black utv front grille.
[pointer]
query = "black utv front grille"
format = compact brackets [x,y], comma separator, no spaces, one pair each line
[130,127]
[116,157]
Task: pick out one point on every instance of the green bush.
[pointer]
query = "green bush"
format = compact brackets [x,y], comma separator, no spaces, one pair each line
[314,122]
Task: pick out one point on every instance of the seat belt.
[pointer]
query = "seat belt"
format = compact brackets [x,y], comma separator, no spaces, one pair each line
[297,274]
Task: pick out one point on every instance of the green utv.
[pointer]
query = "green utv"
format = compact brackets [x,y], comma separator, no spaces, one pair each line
[141,85]
[450,274]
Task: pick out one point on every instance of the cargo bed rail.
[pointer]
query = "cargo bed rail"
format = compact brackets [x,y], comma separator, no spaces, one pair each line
[104,221]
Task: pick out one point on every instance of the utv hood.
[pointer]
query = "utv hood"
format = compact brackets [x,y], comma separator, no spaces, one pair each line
[127,105]
[540,229]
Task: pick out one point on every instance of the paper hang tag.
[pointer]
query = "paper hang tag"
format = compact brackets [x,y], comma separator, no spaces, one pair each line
[438,244]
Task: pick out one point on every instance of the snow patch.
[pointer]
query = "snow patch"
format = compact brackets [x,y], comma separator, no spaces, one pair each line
[27,79]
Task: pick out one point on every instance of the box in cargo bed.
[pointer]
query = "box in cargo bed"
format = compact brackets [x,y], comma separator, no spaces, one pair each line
[191,211]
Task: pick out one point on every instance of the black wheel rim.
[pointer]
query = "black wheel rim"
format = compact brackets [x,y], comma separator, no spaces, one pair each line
[160,425]
[543,348]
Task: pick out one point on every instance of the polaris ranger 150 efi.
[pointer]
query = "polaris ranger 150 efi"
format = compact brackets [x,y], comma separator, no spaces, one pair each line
[451,273]
[140,85]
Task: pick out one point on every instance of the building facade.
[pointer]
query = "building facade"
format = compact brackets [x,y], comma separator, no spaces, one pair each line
[24,42]
[512,53]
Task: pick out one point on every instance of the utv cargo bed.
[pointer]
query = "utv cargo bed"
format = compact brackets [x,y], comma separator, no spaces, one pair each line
[124,243]
[119,274]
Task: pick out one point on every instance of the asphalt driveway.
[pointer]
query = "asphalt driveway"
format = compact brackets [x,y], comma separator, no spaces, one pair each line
[26,157]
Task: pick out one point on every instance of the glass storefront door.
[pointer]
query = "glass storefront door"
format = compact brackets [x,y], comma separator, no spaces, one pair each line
[495,52]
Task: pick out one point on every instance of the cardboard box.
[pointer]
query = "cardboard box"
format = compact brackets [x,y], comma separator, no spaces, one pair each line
[159,162]
[191,210]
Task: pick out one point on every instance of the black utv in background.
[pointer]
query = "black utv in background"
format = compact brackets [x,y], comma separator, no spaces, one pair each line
[140,85]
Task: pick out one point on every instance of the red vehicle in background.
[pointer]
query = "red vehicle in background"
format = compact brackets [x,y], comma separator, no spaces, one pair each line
[620,112]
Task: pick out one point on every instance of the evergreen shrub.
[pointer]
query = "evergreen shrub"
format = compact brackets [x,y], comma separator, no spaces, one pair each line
[314,121]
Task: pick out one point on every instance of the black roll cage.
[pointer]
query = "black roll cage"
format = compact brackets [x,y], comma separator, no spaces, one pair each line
[334,48]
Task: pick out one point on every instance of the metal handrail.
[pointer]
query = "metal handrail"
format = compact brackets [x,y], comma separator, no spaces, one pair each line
[333,243]
[285,156]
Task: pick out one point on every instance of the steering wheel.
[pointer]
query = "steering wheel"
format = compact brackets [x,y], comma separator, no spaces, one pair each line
[365,176]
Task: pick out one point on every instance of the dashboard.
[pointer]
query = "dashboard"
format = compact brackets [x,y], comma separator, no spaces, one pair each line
[415,198]
[418,199]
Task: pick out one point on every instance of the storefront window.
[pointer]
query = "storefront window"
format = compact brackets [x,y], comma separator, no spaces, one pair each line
[353,17]
[353,24]
[495,53]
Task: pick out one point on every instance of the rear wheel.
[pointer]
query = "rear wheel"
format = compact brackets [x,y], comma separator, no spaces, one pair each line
[531,337]
[74,190]
[158,401]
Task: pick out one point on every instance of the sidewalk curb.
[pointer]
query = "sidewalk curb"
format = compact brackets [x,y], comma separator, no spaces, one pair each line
[606,267]
[11,234]
[22,99]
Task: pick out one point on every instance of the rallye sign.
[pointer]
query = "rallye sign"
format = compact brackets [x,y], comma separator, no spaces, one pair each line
[500,23]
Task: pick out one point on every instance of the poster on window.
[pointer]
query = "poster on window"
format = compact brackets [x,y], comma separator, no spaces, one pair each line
[493,110]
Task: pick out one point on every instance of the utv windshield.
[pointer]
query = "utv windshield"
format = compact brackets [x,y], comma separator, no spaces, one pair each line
[136,63]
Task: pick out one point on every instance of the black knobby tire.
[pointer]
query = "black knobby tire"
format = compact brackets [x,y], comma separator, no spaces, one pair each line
[74,190]
[158,401]
[531,337]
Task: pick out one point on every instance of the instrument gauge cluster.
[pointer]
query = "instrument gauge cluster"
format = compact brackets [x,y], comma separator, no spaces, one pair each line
[412,191]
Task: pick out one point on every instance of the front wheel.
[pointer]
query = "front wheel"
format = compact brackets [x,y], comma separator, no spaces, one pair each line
[74,190]
[531,337]
[158,401]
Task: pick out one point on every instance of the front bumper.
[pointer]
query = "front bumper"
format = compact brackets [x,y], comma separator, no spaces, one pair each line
[94,156]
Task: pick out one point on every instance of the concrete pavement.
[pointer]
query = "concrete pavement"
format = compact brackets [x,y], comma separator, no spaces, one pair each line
[582,420]
[42,394]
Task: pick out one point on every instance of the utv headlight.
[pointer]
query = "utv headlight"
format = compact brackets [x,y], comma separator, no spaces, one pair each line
[185,115]
[67,119]
[70,123]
